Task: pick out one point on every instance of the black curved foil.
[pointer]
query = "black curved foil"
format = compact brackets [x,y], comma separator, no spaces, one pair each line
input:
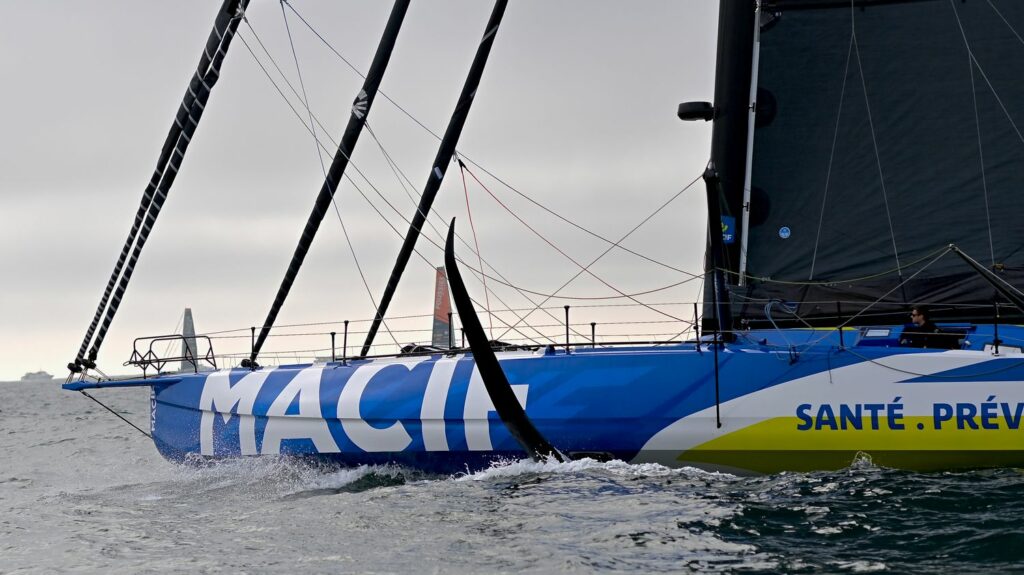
[500,391]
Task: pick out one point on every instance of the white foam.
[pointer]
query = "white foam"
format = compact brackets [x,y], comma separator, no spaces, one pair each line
[513,468]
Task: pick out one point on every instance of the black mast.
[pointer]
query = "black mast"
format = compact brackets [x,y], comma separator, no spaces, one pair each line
[171,155]
[440,165]
[722,312]
[726,170]
[360,110]
[736,20]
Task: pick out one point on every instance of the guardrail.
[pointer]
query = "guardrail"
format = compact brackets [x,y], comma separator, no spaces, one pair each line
[145,357]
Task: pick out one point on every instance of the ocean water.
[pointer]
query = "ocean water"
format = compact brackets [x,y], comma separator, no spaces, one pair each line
[81,491]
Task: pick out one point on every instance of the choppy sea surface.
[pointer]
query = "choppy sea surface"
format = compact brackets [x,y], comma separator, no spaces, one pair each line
[81,491]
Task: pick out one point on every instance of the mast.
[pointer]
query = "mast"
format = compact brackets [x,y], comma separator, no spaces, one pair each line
[719,293]
[360,110]
[736,20]
[171,155]
[441,161]
[726,172]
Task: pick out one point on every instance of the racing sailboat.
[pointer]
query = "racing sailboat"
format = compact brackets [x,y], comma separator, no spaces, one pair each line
[865,158]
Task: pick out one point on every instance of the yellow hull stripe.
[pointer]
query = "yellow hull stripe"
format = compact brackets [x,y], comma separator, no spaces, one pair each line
[777,445]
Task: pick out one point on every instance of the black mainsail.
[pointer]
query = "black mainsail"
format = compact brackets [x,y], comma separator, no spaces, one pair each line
[885,132]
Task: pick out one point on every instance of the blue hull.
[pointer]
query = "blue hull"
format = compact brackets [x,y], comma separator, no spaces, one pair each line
[820,409]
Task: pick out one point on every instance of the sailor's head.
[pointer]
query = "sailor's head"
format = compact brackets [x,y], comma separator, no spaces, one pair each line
[919,315]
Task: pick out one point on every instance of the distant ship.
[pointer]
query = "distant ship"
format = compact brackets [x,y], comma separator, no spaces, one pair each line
[37,376]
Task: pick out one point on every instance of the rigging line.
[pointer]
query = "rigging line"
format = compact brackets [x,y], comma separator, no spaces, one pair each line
[613,244]
[476,242]
[696,318]
[583,229]
[218,334]
[298,116]
[399,175]
[316,138]
[309,128]
[359,108]
[323,168]
[181,319]
[1003,18]
[831,158]
[890,271]
[883,296]
[183,114]
[119,416]
[402,179]
[359,268]
[810,343]
[566,255]
[689,328]
[598,257]
[181,142]
[303,122]
[360,74]
[326,132]
[433,211]
[302,84]
[481,167]
[504,282]
[1006,283]
[402,216]
[321,333]
[393,165]
[874,140]
[490,277]
[442,159]
[977,125]
[500,310]
[519,319]
[399,233]
[338,322]
[281,92]
[998,99]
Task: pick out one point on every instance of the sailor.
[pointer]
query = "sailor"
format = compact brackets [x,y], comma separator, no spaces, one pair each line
[922,332]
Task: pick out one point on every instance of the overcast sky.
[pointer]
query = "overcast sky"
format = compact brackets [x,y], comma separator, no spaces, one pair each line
[576,109]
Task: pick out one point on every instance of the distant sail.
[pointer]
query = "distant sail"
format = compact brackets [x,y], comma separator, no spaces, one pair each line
[188,344]
[442,309]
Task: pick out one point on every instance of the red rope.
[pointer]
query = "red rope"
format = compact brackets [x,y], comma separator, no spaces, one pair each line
[476,243]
